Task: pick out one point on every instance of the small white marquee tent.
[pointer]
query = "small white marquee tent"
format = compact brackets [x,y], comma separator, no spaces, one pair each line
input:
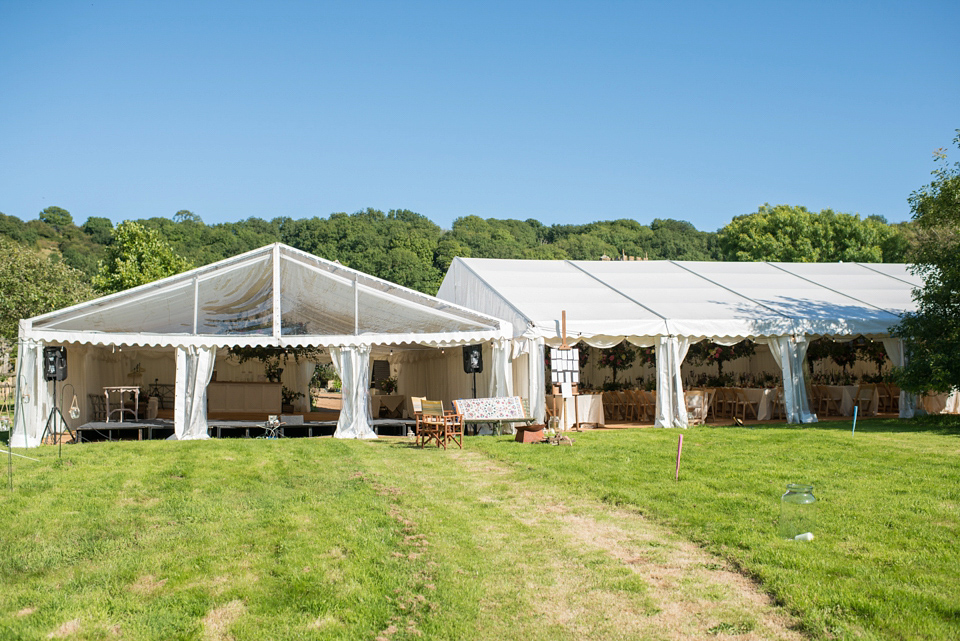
[273,296]
[671,304]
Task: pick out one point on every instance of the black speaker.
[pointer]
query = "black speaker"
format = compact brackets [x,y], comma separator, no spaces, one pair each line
[54,363]
[472,358]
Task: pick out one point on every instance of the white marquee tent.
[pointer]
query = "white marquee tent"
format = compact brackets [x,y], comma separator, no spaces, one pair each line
[273,296]
[671,304]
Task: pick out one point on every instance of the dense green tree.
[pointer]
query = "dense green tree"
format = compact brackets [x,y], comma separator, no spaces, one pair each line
[100,230]
[933,332]
[136,256]
[56,217]
[15,229]
[794,234]
[30,285]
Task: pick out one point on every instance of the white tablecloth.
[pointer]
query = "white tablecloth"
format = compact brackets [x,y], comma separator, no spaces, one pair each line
[589,410]
[764,397]
[392,402]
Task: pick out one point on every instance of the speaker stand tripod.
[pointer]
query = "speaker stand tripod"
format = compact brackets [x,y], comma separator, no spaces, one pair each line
[51,422]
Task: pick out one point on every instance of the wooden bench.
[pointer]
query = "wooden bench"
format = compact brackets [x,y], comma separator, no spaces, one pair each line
[495,412]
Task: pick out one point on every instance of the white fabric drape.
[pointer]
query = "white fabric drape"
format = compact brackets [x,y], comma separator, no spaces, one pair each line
[353,366]
[501,381]
[671,406]
[789,353]
[31,399]
[304,375]
[536,360]
[194,370]
[897,354]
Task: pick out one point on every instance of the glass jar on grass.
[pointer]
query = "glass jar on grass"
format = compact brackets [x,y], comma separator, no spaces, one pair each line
[798,512]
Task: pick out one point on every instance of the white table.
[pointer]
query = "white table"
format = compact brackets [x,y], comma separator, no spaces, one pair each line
[392,402]
[122,389]
[764,397]
[589,410]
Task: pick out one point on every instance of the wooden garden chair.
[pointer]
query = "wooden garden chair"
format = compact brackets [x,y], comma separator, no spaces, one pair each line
[829,404]
[430,424]
[626,406]
[864,399]
[724,402]
[894,392]
[437,426]
[609,406]
[744,404]
[779,409]
[648,405]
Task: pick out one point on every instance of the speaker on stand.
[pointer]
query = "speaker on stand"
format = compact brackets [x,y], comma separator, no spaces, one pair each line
[55,370]
[473,362]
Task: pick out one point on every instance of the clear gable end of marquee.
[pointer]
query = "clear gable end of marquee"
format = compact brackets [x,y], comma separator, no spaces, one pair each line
[275,296]
[669,305]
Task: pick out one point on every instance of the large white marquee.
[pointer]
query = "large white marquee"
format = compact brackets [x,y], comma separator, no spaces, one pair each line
[275,296]
[671,304]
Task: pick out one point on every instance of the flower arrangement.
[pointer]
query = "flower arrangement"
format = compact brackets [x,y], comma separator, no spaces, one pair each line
[389,385]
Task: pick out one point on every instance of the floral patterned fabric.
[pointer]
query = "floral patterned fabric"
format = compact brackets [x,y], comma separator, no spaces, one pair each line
[493,409]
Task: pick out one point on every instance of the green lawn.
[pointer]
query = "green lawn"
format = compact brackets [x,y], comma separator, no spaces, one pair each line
[326,539]
[886,559]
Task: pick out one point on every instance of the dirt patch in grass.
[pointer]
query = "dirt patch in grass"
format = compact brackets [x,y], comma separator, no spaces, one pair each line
[67,629]
[219,620]
[690,594]
[147,584]
[26,612]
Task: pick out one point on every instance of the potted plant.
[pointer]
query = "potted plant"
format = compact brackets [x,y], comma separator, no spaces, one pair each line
[288,397]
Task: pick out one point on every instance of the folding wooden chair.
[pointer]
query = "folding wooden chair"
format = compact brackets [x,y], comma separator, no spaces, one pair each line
[894,392]
[744,404]
[633,403]
[627,406]
[724,402]
[864,399]
[609,407]
[435,425]
[828,402]
[779,405]
[648,405]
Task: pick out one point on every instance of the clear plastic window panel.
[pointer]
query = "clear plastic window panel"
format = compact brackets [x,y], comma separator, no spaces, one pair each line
[168,311]
[238,301]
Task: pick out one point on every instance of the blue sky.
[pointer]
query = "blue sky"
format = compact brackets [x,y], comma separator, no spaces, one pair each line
[566,112]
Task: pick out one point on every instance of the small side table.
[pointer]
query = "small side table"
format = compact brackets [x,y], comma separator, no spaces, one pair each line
[123,389]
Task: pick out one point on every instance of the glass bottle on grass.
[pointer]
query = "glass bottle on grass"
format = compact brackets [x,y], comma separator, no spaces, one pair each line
[798,512]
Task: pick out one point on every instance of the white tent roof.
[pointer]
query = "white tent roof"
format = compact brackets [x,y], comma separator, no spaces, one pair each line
[721,300]
[275,295]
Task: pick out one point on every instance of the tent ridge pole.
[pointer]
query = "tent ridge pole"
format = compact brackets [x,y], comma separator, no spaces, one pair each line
[835,291]
[877,271]
[614,289]
[276,290]
[732,291]
[196,303]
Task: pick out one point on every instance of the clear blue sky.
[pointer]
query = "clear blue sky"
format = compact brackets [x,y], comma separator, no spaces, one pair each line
[565,112]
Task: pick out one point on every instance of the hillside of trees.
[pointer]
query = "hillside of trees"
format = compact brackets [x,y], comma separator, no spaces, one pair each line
[58,263]
[409,249]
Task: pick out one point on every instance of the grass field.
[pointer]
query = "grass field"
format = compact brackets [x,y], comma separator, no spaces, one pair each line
[326,539]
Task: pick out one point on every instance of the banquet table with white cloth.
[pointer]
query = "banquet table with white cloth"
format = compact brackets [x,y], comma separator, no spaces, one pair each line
[589,410]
